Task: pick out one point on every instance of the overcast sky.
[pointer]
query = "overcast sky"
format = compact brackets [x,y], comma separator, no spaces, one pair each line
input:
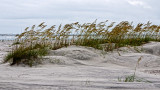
[15,15]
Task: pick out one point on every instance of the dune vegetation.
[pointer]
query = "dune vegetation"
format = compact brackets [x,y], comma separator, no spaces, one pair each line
[35,42]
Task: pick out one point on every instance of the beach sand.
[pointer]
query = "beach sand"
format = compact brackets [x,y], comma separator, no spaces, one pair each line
[84,68]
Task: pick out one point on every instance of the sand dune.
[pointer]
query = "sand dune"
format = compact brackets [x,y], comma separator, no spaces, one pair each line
[83,68]
[75,55]
[129,56]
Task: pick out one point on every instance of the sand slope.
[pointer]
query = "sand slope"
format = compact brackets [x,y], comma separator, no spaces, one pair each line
[75,55]
[128,56]
[81,68]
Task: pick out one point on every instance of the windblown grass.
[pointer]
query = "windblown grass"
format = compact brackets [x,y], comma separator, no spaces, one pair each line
[103,35]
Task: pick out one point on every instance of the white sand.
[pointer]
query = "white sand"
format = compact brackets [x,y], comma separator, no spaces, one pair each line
[81,68]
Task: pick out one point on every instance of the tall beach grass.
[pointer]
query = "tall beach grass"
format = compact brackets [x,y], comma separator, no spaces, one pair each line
[35,42]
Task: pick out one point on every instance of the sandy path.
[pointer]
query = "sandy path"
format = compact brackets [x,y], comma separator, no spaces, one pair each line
[84,75]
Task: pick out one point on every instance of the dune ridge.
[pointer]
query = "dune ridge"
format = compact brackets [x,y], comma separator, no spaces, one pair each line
[84,68]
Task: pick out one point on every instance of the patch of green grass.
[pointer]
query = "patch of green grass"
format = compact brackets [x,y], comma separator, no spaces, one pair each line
[130,78]
[95,43]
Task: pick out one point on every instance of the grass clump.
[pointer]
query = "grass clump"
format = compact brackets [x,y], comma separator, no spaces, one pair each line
[26,55]
[130,78]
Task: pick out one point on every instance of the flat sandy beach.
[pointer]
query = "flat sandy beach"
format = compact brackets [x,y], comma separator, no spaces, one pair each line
[84,68]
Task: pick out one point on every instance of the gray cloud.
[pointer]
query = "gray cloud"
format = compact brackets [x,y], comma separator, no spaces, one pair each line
[17,14]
